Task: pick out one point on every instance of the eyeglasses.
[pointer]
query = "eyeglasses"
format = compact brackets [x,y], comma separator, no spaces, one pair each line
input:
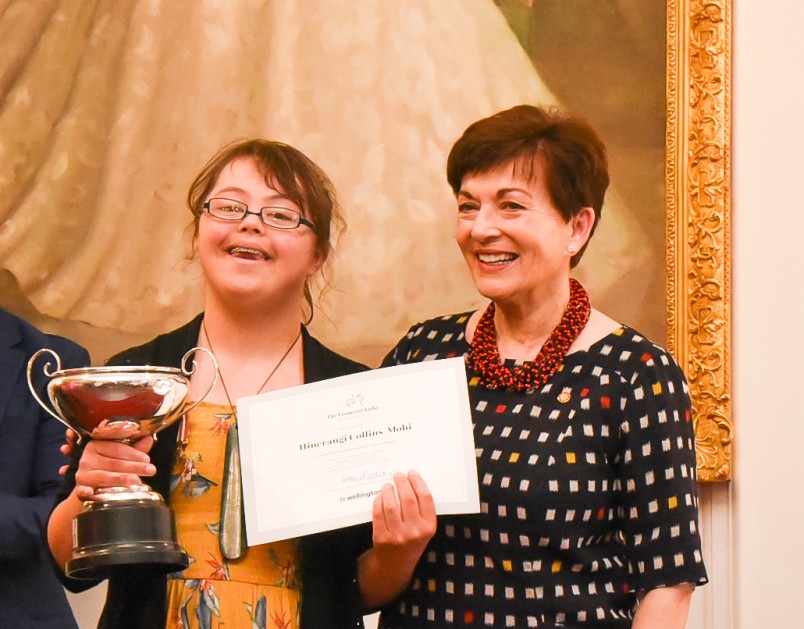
[279,217]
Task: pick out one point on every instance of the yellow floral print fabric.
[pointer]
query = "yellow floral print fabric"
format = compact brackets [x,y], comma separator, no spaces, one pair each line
[258,591]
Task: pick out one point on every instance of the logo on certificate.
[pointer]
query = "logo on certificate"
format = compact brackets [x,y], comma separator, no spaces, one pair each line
[355,398]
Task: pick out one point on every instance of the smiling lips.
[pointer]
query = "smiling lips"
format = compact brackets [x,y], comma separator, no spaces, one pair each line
[248,253]
[496,258]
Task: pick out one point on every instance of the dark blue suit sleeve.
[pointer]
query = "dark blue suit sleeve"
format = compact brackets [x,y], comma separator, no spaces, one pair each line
[29,442]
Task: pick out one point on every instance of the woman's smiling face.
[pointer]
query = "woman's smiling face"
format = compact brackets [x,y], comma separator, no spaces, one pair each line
[512,237]
[247,258]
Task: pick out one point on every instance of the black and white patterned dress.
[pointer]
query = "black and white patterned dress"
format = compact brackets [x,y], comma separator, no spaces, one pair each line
[587,491]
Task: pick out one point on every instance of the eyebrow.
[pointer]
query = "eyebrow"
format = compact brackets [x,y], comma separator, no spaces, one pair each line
[270,199]
[231,189]
[500,193]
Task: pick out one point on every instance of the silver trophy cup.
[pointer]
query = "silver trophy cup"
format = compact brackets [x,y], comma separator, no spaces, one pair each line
[122,526]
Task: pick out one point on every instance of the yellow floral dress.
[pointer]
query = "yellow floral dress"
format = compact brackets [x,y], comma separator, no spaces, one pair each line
[258,591]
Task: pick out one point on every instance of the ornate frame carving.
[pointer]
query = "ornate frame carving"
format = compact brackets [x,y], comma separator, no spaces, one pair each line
[698,171]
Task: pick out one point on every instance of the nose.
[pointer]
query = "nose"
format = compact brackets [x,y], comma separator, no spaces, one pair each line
[486,223]
[251,222]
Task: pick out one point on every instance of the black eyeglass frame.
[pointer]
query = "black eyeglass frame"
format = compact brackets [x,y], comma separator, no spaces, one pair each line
[302,220]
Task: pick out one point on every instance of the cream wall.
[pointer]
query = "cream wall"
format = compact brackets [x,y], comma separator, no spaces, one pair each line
[768,313]
[755,541]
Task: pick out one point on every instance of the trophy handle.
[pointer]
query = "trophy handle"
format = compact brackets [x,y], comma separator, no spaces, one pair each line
[189,372]
[49,374]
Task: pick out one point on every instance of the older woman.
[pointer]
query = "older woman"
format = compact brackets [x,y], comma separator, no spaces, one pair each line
[583,433]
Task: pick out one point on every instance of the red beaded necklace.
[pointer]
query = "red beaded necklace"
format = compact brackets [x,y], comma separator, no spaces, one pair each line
[484,357]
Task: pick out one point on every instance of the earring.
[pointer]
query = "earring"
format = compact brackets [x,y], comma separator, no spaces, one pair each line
[571,249]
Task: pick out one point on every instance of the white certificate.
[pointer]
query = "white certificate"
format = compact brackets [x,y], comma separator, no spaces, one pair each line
[313,457]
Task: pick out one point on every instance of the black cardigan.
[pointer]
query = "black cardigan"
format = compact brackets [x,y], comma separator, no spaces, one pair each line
[136,598]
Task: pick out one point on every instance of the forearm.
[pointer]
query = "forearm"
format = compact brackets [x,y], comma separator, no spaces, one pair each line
[402,527]
[60,528]
[99,463]
[664,608]
[382,578]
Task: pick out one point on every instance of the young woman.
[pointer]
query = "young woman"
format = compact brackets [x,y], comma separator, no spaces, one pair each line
[262,213]
[583,432]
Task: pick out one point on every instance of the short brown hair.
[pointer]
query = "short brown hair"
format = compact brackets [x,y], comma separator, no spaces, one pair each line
[569,150]
[285,168]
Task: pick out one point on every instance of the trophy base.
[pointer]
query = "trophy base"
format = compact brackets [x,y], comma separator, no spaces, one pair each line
[99,567]
[110,536]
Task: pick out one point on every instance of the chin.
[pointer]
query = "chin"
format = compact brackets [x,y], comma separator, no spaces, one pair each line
[492,291]
[241,290]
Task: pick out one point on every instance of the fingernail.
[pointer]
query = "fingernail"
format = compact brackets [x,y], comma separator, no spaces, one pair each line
[150,469]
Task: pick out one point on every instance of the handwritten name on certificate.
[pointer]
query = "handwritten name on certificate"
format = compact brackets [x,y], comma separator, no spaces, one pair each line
[313,457]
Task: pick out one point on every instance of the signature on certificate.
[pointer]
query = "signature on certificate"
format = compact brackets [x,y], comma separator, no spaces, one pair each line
[359,477]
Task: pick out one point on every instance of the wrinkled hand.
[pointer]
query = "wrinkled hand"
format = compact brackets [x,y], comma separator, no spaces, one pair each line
[112,464]
[404,521]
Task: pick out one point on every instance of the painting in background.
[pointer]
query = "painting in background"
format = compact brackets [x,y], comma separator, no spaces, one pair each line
[110,108]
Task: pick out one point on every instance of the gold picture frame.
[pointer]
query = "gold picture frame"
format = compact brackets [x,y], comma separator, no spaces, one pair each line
[698,171]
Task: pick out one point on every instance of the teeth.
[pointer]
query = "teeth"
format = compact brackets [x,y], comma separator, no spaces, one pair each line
[246,251]
[490,258]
